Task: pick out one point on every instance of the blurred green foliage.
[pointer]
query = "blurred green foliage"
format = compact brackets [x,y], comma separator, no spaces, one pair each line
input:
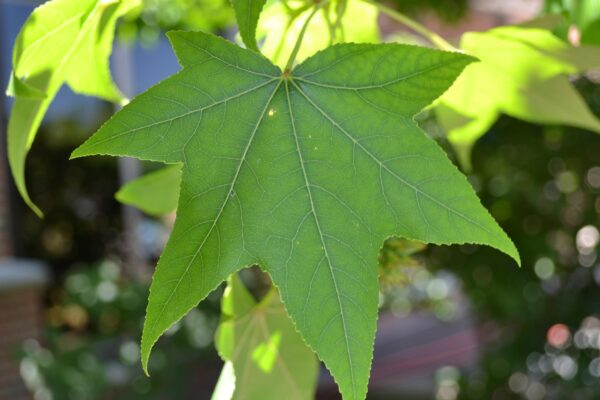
[407,285]
[396,258]
[163,15]
[582,14]
[91,351]
[448,10]
[543,185]
[217,15]
[524,73]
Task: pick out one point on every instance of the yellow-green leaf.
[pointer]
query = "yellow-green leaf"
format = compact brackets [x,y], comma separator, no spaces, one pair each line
[279,29]
[523,73]
[62,41]
[155,193]
[269,358]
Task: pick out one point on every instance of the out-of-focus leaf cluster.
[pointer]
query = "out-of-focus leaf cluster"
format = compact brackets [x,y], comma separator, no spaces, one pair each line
[162,15]
[524,72]
[407,285]
[584,15]
[396,259]
[448,10]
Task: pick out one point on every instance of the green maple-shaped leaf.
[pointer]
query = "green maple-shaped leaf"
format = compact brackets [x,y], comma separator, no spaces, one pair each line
[303,172]
[269,358]
[62,41]
[155,193]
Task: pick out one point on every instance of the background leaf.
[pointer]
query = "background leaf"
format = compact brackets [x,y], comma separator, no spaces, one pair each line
[523,73]
[155,193]
[61,41]
[279,29]
[584,14]
[269,358]
[226,383]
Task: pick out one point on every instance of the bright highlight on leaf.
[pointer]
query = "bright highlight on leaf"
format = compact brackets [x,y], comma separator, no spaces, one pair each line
[62,41]
[269,358]
[308,191]
[226,383]
[265,354]
[523,73]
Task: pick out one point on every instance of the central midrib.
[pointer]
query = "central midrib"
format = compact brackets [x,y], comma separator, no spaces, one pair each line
[322,240]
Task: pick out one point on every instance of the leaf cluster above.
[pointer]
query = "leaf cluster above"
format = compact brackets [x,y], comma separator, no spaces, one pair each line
[303,172]
[62,41]
[247,13]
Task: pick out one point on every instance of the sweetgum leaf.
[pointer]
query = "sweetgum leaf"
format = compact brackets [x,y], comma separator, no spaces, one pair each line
[269,358]
[62,41]
[304,173]
[247,13]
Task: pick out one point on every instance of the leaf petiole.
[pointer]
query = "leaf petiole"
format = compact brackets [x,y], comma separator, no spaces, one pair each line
[296,49]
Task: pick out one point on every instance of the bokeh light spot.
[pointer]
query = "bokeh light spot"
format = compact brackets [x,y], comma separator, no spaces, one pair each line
[558,335]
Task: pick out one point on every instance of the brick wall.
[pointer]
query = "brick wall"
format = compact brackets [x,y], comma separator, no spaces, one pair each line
[6,242]
[21,298]
[18,320]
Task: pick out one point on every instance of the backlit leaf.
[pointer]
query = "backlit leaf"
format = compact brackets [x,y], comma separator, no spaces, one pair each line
[523,73]
[155,193]
[269,358]
[62,41]
[226,383]
[280,30]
